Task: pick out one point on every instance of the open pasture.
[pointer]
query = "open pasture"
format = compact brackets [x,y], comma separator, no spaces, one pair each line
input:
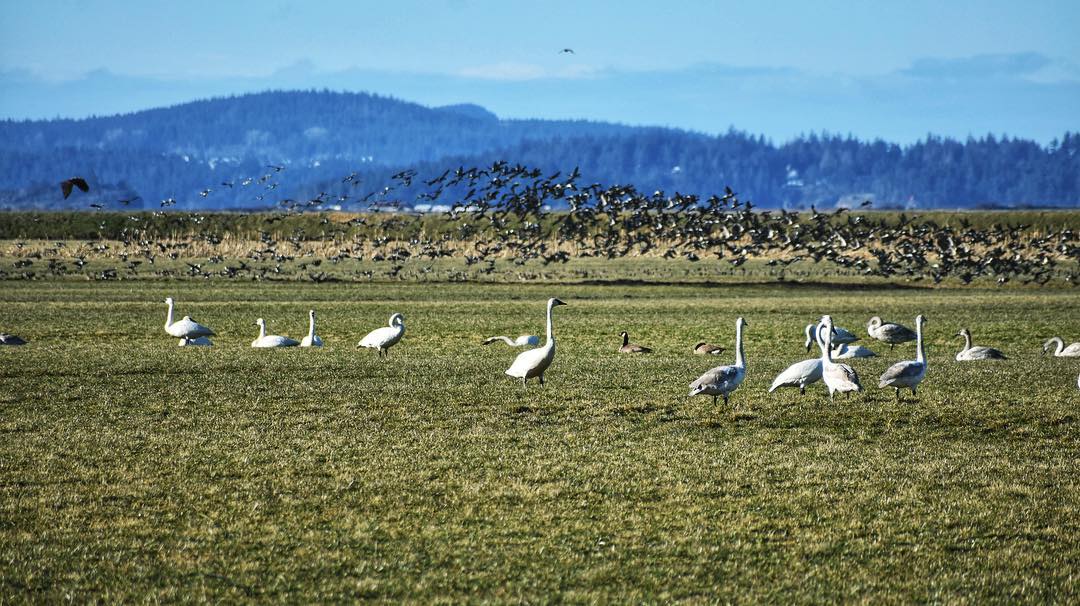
[134,470]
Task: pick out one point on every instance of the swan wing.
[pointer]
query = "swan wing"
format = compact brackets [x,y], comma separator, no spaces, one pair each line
[799,373]
[186,327]
[382,337]
[532,362]
[902,373]
[718,378]
[842,376]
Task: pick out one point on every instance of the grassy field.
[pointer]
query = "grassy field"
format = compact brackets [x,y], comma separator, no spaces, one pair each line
[132,470]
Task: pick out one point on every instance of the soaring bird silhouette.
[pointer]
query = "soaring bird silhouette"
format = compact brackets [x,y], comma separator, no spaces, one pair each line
[67,185]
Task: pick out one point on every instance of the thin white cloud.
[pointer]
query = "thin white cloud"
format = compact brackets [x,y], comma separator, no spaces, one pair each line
[518,72]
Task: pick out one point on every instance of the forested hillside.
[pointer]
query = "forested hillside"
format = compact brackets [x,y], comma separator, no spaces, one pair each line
[219,153]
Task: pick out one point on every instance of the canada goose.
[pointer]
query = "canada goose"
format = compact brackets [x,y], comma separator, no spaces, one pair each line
[703,348]
[888,332]
[911,372]
[522,341]
[971,352]
[6,339]
[723,380]
[386,337]
[266,340]
[628,347]
[185,327]
[837,377]
[534,362]
[1071,351]
[311,340]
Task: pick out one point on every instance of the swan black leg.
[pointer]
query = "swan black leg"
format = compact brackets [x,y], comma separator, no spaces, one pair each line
[541,380]
[802,390]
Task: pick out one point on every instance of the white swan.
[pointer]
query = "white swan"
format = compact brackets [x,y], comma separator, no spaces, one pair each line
[311,340]
[6,339]
[800,374]
[386,337]
[196,342]
[840,336]
[971,352]
[522,341]
[185,327]
[1072,351]
[888,332]
[837,377]
[910,373]
[723,380]
[266,340]
[534,362]
[844,352]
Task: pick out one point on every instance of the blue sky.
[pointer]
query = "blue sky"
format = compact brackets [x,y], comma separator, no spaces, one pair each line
[895,70]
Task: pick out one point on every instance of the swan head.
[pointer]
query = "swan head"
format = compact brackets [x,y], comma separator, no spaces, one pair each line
[875,321]
[260,322]
[311,313]
[397,320]
[552,302]
[963,333]
[809,339]
[741,322]
[920,320]
[169,300]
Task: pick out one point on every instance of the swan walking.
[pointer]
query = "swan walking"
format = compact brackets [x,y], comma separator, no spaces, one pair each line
[266,340]
[911,372]
[6,339]
[800,374]
[1072,351]
[628,347]
[534,362]
[185,327]
[386,337]
[311,340]
[723,380]
[837,377]
[522,341]
[196,342]
[704,348]
[971,352]
[888,332]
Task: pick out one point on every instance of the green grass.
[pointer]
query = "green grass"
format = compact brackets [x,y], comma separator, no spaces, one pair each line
[132,470]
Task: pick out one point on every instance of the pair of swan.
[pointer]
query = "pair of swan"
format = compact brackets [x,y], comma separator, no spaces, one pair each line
[911,372]
[1072,351]
[842,338]
[722,380]
[382,339]
[889,332]
[534,362]
[838,377]
[971,353]
[264,340]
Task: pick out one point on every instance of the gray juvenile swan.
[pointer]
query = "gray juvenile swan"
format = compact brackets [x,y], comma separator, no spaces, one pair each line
[909,373]
[723,380]
[888,332]
[971,352]
[1072,351]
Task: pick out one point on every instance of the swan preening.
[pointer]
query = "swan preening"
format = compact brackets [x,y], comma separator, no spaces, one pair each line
[382,339]
[185,327]
[311,340]
[6,339]
[534,362]
[723,380]
[703,348]
[888,332]
[628,347]
[909,373]
[1072,351]
[522,341]
[837,377]
[976,352]
[266,340]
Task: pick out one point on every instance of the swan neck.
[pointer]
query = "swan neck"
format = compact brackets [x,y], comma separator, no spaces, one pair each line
[169,315]
[1060,345]
[262,329]
[311,326]
[920,353]
[967,341]
[826,344]
[740,359]
[549,337]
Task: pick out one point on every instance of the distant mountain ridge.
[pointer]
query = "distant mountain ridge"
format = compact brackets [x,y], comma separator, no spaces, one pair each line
[201,153]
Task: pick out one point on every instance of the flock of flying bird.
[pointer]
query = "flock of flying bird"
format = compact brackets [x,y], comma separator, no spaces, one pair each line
[505,211]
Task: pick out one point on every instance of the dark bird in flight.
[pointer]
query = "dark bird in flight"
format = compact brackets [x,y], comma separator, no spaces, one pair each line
[127,201]
[567,51]
[866,203]
[67,185]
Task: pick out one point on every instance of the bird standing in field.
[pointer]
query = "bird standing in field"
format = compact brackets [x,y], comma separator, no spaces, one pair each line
[888,332]
[800,374]
[628,347]
[909,373]
[971,352]
[185,328]
[67,185]
[522,341]
[534,362]
[837,377]
[723,380]
[311,340]
[382,339]
[265,340]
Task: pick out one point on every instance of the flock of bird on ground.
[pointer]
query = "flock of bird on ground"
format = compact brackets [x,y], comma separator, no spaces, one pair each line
[834,342]
[504,211]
